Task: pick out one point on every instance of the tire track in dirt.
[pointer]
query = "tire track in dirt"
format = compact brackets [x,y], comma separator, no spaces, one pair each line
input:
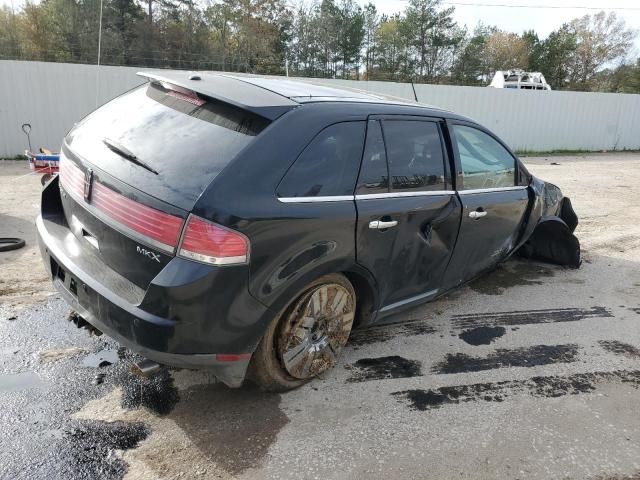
[541,386]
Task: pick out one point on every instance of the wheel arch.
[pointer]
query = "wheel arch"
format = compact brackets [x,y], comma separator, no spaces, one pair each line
[366,290]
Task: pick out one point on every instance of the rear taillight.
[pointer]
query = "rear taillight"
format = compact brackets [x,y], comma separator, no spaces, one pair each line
[208,242]
[162,228]
[156,228]
[202,240]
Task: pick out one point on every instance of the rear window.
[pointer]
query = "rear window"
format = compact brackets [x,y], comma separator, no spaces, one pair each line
[186,139]
[329,164]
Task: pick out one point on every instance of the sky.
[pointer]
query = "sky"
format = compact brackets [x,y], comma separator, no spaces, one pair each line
[516,19]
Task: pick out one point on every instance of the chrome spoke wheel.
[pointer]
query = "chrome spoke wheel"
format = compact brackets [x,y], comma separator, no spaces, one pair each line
[316,330]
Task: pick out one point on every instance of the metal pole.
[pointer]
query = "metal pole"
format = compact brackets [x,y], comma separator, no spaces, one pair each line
[99,48]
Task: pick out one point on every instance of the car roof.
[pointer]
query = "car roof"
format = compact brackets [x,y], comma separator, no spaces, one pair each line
[270,97]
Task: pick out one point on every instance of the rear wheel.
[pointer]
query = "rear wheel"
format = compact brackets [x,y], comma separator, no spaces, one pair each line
[307,338]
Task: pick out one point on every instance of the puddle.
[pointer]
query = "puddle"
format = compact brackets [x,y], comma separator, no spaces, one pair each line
[156,393]
[482,335]
[20,381]
[503,358]
[620,348]
[549,387]
[101,359]
[383,368]
[511,274]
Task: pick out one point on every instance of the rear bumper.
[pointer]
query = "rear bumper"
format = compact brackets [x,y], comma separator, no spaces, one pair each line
[190,316]
[231,373]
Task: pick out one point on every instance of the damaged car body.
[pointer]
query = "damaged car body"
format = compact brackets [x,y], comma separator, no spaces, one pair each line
[246,225]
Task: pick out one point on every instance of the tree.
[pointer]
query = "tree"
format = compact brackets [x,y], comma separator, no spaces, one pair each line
[11,45]
[470,66]
[600,39]
[429,32]
[391,59]
[505,51]
[556,57]
[351,35]
[371,23]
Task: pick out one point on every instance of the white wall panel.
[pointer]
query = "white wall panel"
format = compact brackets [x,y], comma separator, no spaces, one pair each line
[53,96]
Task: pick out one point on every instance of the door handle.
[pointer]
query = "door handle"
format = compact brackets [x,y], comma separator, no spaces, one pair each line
[382,225]
[475,214]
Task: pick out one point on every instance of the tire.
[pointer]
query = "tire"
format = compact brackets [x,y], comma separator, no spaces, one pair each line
[7,244]
[45,178]
[283,361]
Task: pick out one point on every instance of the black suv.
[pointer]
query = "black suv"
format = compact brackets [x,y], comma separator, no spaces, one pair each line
[226,222]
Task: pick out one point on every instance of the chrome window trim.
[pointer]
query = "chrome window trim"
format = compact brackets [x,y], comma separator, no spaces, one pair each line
[332,198]
[374,196]
[430,193]
[491,190]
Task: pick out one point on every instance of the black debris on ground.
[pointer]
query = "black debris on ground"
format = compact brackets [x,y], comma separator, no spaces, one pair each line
[156,393]
[620,348]
[505,358]
[482,335]
[382,368]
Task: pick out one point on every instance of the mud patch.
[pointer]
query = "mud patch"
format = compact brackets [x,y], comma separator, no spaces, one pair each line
[89,450]
[56,354]
[387,331]
[383,368]
[549,387]
[156,393]
[620,348]
[503,358]
[234,428]
[529,317]
[511,274]
[482,335]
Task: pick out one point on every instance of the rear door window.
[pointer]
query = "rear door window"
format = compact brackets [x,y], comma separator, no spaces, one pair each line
[416,159]
[328,166]
[374,174]
[485,162]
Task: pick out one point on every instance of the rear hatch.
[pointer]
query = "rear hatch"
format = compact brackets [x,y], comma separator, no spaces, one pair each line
[132,170]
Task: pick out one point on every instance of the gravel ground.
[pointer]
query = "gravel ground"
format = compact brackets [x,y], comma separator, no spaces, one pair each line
[531,372]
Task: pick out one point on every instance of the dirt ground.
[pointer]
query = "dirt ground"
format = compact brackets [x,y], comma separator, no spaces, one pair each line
[531,372]
[23,280]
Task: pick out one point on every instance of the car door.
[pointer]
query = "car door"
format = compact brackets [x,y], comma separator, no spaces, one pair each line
[408,213]
[493,203]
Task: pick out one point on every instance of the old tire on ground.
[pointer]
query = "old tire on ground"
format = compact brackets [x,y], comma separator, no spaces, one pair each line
[7,244]
[306,339]
[45,178]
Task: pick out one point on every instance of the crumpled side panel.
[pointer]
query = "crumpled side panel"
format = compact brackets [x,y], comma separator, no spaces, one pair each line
[548,235]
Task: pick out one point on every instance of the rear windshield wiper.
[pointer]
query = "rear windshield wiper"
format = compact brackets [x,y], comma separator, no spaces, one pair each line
[125,153]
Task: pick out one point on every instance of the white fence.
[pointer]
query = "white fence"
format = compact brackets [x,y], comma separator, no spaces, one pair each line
[53,96]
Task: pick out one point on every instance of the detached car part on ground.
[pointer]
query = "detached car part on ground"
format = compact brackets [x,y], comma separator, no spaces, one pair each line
[246,225]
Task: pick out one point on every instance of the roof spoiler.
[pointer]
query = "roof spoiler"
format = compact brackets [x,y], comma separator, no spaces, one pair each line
[228,90]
